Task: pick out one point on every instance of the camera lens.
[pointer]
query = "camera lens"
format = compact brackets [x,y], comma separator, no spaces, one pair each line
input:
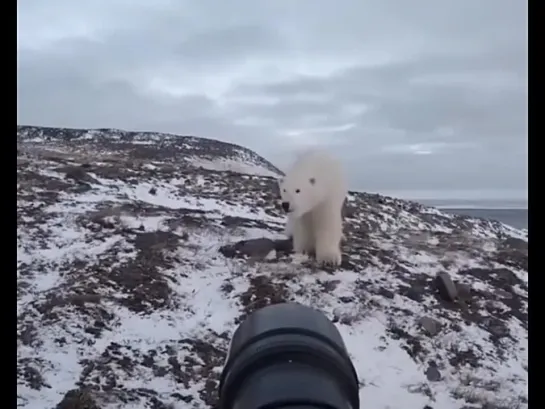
[288,356]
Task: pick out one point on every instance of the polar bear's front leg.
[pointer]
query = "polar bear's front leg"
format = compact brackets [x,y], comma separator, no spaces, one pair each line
[288,229]
[328,252]
[328,238]
[303,242]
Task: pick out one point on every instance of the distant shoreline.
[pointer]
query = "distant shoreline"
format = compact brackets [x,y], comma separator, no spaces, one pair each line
[515,217]
[476,207]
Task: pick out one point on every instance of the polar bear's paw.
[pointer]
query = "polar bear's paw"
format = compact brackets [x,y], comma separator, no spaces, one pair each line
[329,256]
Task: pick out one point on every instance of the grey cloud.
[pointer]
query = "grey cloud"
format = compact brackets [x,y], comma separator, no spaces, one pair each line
[119,104]
[420,95]
[469,96]
[286,113]
[229,44]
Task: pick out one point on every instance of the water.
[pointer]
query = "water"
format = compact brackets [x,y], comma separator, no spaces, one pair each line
[513,212]
[517,218]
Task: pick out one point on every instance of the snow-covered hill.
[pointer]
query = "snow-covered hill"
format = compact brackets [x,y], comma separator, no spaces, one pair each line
[189,150]
[138,254]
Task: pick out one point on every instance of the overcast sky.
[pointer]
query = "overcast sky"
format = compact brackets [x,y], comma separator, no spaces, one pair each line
[422,96]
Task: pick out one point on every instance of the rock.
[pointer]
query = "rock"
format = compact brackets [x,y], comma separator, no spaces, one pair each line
[516,244]
[488,405]
[498,330]
[464,290]
[254,248]
[386,293]
[416,293]
[79,175]
[504,294]
[430,325]
[235,221]
[349,210]
[156,241]
[432,373]
[77,399]
[107,217]
[283,246]
[446,287]
[82,187]
[153,191]
[275,191]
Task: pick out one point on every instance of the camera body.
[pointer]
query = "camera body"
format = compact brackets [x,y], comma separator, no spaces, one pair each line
[288,356]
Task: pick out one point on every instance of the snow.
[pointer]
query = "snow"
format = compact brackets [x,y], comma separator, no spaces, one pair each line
[392,379]
[232,166]
[389,371]
[201,290]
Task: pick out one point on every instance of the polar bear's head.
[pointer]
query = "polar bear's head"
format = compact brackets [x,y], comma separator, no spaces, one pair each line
[299,194]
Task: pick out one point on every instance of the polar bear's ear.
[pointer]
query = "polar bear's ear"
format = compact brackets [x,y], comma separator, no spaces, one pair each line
[312,181]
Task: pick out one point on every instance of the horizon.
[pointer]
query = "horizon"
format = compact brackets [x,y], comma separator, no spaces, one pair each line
[465,199]
[475,205]
[446,199]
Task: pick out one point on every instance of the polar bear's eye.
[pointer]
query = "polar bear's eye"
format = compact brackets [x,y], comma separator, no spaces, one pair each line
[297,190]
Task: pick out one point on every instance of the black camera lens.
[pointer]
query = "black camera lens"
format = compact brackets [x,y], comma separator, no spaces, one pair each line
[288,356]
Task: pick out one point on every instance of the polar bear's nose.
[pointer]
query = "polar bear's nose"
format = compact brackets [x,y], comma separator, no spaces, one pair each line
[286,206]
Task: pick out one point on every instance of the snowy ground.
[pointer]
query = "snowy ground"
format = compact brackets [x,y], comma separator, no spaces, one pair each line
[125,300]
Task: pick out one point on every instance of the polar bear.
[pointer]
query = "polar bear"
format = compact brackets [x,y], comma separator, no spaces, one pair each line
[313,192]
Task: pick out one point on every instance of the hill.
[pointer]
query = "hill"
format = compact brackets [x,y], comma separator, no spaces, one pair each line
[139,253]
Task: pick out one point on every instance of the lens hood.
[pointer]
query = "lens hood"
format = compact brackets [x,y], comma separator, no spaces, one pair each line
[288,356]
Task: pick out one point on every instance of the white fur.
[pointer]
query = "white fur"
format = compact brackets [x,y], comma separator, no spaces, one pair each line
[315,189]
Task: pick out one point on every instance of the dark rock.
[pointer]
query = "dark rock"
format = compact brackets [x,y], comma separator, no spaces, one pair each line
[500,278]
[276,191]
[498,330]
[346,263]
[430,325]
[461,358]
[464,291]
[515,258]
[504,294]
[415,293]
[77,399]
[283,246]
[229,250]
[82,187]
[234,221]
[102,217]
[79,175]
[432,373]
[156,241]
[446,287]
[254,248]
[386,293]
[153,191]
[349,210]
[516,244]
